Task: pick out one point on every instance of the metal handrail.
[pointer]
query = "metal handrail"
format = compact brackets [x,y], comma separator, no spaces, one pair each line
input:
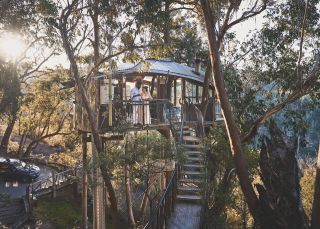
[53,179]
[159,217]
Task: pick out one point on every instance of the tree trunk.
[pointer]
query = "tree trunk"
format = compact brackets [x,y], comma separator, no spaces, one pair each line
[30,147]
[92,119]
[205,91]
[112,196]
[279,197]
[145,201]
[21,144]
[233,133]
[128,196]
[7,134]
[315,218]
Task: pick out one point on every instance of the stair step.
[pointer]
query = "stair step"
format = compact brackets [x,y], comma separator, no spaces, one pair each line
[188,189]
[193,152]
[196,159]
[192,173]
[187,180]
[193,166]
[188,197]
[191,146]
[185,131]
[191,139]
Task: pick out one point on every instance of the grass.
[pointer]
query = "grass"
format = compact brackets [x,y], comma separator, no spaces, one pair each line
[59,212]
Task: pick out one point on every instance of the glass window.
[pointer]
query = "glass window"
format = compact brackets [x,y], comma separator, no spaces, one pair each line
[178,90]
[218,111]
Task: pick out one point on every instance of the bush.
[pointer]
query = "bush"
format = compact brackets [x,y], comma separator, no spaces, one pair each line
[307,189]
[65,159]
[59,212]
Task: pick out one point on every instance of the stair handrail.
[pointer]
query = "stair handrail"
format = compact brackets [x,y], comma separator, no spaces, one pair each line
[158,217]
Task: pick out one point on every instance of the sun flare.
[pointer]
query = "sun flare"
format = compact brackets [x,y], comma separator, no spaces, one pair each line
[11,46]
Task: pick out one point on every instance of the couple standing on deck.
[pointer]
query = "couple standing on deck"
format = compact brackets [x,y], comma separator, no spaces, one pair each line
[140,104]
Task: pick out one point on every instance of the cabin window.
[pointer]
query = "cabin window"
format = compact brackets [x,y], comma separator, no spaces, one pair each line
[193,93]
[200,93]
[104,90]
[218,111]
[178,91]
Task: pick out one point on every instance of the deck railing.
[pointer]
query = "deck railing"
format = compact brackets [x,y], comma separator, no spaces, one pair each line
[127,114]
[159,217]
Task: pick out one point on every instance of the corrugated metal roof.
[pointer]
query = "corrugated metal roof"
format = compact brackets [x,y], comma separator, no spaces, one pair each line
[151,67]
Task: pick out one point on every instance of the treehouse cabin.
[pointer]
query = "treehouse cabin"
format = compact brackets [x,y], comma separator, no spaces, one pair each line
[176,90]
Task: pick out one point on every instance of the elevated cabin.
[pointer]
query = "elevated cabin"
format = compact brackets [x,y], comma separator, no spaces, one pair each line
[176,90]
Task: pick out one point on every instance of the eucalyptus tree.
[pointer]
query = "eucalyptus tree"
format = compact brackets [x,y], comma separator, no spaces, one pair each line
[19,20]
[45,111]
[219,17]
[92,34]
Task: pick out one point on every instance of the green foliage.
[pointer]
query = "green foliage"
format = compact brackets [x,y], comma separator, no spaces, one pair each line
[45,108]
[59,212]
[225,199]
[68,159]
[140,150]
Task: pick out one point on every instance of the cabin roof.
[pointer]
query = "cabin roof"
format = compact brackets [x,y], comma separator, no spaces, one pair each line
[164,67]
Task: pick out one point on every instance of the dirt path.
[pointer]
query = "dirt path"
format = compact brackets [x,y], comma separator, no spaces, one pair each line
[41,150]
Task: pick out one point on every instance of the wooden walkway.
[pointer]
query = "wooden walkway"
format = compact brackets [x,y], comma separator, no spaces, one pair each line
[185,216]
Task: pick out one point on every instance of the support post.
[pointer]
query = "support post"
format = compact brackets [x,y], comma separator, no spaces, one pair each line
[175,92]
[84,182]
[183,90]
[54,185]
[110,99]
[98,200]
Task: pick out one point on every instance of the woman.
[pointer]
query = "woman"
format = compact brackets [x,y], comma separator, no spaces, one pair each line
[146,97]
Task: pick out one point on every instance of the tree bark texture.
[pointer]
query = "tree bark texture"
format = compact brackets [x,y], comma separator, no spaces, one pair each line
[279,196]
[205,91]
[233,133]
[7,134]
[145,201]
[129,197]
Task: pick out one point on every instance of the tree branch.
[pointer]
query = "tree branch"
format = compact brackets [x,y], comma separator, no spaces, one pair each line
[305,89]
[246,15]
[299,69]
[39,65]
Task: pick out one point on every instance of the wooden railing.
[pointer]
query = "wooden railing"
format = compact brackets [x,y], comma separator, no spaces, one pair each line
[159,217]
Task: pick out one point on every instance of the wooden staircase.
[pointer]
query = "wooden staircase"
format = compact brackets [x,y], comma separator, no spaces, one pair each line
[192,172]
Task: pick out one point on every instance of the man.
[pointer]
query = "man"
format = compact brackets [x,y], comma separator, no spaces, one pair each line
[135,96]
